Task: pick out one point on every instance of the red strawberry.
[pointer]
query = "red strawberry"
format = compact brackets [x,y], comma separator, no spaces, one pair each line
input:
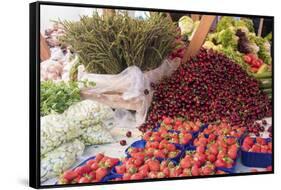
[99,156]
[136,176]
[220,163]
[100,173]
[84,180]
[249,141]
[171,147]
[195,171]
[120,169]
[260,141]
[69,175]
[126,176]
[154,165]
[152,175]
[185,163]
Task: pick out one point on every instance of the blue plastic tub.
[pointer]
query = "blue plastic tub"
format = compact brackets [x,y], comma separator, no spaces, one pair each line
[256,159]
[142,143]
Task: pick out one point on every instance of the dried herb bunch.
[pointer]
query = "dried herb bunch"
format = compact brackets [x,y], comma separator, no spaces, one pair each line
[110,44]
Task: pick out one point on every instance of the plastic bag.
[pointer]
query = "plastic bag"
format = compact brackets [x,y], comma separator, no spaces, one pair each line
[56,130]
[95,134]
[128,90]
[60,159]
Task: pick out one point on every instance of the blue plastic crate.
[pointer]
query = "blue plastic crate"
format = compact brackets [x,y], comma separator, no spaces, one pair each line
[256,159]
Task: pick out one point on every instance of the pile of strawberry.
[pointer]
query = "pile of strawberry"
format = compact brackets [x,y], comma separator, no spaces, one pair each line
[94,170]
[155,149]
[258,145]
[164,135]
[180,124]
[135,169]
[224,129]
[220,150]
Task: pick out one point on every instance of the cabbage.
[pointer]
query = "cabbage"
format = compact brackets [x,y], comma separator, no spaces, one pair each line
[186,25]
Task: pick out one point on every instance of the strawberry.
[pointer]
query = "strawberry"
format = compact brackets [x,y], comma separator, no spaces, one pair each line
[69,175]
[185,163]
[136,176]
[84,180]
[101,173]
[195,171]
[220,163]
[154,165]
[260,141]
[126,176]
[99,156]
[171,147]
[120,169]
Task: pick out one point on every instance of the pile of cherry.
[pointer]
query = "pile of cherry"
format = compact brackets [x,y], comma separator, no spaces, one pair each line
[209,88]
[176,148]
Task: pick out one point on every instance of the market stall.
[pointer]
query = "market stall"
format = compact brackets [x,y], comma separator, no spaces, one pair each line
[131,98]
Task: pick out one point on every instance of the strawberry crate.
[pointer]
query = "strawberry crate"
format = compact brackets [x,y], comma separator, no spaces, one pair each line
[142,144]
[256,159]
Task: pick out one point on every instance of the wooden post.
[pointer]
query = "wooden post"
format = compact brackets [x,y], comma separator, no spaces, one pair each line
[199,37]
[260,27]
[195,17]
[44,49]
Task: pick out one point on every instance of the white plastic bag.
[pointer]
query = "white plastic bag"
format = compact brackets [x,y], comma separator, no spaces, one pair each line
[129,89]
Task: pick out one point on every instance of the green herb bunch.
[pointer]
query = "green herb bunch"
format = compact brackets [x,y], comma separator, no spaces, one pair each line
[57,97]
[110,44]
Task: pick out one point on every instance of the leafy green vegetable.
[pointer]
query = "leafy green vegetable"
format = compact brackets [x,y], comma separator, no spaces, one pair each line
[57,97]
[245,22]
[225,22]
[264,52]
[227,38]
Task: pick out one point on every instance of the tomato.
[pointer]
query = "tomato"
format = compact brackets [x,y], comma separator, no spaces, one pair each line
[247,58]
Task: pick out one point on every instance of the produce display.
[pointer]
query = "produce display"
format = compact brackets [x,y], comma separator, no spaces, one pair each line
[211,115]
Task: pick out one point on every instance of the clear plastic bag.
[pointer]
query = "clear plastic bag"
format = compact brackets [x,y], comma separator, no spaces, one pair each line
[128,90]
[60,159]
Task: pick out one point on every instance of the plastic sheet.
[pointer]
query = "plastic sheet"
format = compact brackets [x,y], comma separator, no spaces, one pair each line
[129,89]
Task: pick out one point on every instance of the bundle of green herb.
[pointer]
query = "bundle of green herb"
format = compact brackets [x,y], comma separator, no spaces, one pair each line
[57,97]
[110,44]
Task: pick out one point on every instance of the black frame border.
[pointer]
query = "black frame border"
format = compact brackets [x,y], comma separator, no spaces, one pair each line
[34,92]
